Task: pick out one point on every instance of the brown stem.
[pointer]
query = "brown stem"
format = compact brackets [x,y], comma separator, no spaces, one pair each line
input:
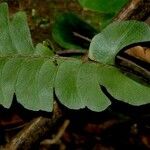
[71,52]
[81,36]
[34,132]
[135,10]
[57,137]
[137,68]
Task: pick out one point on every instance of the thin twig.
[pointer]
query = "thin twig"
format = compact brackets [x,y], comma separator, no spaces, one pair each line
[34,132]
[58,135]
[82,37]
[138,68]
[135,10]
[71,52]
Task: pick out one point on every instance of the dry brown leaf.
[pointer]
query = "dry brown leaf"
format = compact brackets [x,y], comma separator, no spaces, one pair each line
[139,52]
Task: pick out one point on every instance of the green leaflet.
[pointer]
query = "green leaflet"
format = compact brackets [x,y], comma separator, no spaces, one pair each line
[9,71]
[5,38]
[65,84]
[43,50]
[20,34]
[110,6]
[105,46]
[88,84]
[46,77]
[123,88]
[34,87]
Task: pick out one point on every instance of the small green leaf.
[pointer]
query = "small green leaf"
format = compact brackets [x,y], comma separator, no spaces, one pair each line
[46,77]
[70,32]
[122,87]
[9,73]
[6,45]
[110,6]
[88,84]
[35,84]
[27,83]
[20,34]
[65,84]
[105,46]
[3,101]
[43,50]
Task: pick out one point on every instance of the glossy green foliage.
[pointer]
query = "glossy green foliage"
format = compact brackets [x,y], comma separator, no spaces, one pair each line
[109,6]
[105,45]
[34,74]
[71,32]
